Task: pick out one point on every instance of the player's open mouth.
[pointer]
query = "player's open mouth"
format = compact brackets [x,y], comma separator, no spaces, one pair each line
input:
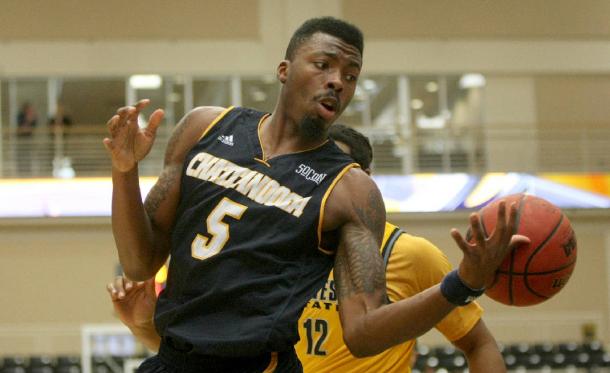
[328,107]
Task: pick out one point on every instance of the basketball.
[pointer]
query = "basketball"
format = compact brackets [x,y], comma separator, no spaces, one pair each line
[533,273]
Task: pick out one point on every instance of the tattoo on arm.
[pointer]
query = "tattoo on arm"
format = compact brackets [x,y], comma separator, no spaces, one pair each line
[175,138]
[159,192]
[372,214]
[171,171]
[358,266]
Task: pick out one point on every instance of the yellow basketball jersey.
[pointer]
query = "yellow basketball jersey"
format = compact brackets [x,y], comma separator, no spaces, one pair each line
[413,264]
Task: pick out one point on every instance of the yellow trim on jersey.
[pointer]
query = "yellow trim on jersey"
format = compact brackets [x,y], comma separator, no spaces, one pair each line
[323,204]
[272,364]
[260,141]
[216,120]
[262,161]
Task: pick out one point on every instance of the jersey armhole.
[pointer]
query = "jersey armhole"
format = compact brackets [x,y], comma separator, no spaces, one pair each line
[323,204]
[386,250]
[216,120]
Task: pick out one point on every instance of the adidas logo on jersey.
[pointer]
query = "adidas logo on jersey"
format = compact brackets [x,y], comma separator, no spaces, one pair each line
[227,140]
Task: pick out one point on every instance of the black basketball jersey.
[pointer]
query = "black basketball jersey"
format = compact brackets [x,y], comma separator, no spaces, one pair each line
[246,254]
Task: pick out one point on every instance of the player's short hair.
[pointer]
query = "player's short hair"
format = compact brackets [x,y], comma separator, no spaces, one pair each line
[327,25]
[360,146]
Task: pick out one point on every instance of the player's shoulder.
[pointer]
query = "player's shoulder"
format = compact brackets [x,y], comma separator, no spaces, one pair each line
[416,248]
[357,189]
[355,198]
[205,115]
[355,181]
[190,129]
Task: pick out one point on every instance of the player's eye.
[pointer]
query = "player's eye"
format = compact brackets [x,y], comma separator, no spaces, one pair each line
[321,65]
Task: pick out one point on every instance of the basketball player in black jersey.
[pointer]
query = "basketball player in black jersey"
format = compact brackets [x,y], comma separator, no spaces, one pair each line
[255,209]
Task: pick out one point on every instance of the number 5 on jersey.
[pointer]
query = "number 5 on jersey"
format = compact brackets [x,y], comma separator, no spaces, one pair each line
[204,247]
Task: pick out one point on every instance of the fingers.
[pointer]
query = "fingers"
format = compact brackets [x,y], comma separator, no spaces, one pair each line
[459,240]
[511,227]
[155,120]
[149,287]
[477,230]
[121,287]
[141,104]
[517,241]
[108,144]
[129,114]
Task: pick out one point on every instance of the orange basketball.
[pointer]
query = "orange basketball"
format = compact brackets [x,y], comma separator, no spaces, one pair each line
[533,273]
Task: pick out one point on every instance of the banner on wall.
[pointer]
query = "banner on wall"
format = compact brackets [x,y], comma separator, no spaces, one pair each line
[401,193]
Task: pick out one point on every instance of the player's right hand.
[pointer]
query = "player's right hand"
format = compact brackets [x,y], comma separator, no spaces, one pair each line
[134,302]
[128,143]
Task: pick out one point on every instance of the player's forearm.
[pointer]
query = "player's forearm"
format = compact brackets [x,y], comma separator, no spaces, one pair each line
[482,363]
[147,335]
[131,226]
[370,332]
[481,350]
[485,358]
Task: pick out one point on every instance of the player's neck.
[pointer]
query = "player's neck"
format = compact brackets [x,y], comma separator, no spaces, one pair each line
[281,135]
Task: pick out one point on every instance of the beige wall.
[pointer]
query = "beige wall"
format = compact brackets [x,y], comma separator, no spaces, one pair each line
[528,19]
[72,38]
[54,273]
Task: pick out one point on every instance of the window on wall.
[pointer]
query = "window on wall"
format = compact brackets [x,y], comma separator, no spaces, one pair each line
[446,119]
[260,93]
[415,122]
[92,101]
[21,91]
[4,117]
[212,92]
[374,103]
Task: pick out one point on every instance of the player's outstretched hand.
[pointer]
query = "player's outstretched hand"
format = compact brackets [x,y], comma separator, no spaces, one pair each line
[134,302]
[128,143]
[483,255]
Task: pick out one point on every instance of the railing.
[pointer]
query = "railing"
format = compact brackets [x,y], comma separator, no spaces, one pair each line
[80,152]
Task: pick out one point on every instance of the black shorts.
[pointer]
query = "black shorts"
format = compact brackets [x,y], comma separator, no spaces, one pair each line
[173,359]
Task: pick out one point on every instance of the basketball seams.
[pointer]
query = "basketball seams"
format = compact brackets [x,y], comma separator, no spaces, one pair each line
[546,226]
[559,269]
[533,255]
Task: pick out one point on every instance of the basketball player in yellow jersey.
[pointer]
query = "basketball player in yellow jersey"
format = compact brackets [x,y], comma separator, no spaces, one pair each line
[413,264]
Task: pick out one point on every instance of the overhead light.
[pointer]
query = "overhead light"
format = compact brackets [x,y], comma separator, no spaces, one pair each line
[436,122]
[417,104]
[269,79]
[369,85]
[258,96]
[145,81]
[472,81]
[431,87]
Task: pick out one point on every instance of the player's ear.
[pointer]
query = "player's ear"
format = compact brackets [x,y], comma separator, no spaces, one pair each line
[368,171]
[282,71]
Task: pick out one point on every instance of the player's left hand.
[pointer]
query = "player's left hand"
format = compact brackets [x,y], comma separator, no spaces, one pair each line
[483,255]
[134,302]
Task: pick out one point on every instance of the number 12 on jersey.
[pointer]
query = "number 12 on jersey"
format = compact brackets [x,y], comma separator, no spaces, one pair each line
[317,332]
[204,247]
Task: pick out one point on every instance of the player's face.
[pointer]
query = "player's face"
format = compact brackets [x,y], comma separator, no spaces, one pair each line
[320,81]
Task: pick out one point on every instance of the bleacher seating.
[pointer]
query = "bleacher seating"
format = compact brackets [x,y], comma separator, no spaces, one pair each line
[520,357]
